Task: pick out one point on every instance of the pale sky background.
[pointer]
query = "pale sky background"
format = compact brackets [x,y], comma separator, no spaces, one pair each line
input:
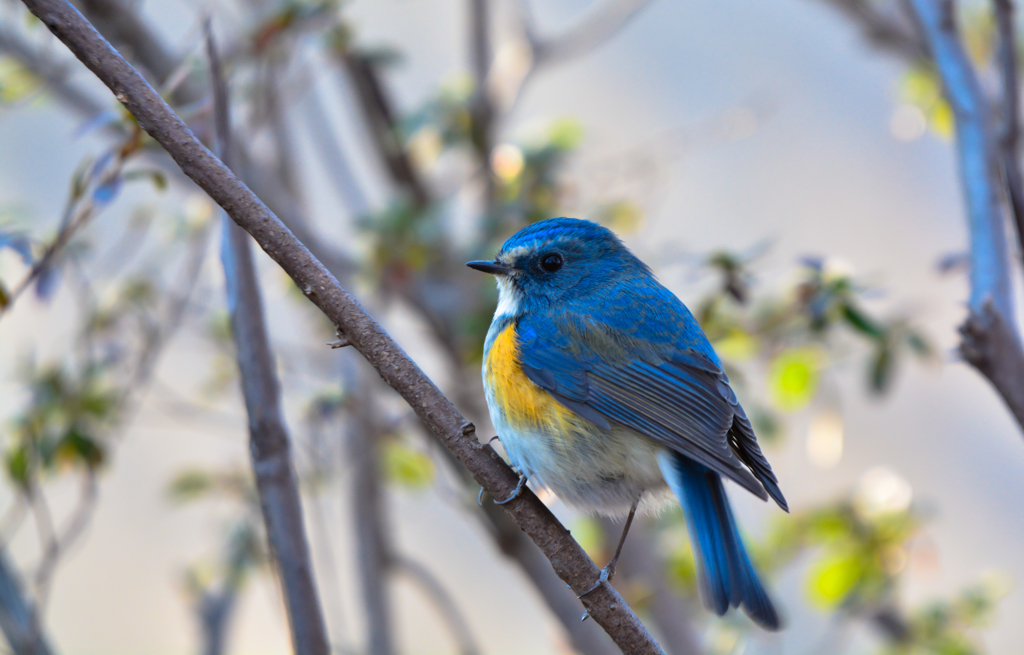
[822,174]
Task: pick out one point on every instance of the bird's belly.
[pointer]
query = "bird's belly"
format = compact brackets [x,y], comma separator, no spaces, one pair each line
[586,466]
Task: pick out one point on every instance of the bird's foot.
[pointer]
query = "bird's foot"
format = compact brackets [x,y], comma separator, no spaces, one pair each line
[606,576]
[515,492]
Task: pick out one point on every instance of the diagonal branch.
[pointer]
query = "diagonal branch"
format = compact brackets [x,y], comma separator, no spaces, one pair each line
[990,342]
[1010,134]
[18,618]
[566,556]
[591,32]
[269,442]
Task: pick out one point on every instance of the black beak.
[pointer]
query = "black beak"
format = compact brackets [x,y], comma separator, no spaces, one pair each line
[494,268]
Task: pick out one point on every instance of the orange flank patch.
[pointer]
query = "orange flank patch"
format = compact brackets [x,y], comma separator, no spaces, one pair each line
[524,404]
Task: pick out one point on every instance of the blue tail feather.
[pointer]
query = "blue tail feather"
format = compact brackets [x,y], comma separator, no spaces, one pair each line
[727,578]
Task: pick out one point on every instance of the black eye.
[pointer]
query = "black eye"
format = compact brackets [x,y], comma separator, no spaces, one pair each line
[551,262]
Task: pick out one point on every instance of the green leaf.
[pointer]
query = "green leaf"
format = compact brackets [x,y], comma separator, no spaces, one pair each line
[833,578]
[17,465]
[75,447]
[189,485]
[793,379]
[406,466]
[861,322]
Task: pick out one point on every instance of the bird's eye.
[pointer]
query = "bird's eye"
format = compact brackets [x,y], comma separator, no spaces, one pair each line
[552,262]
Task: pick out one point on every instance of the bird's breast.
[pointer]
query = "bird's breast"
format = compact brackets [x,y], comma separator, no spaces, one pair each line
[522,405]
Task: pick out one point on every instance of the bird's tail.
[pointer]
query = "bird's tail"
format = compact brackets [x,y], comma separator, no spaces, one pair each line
[727,578]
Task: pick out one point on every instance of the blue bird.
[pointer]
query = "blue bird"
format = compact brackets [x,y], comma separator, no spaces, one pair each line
[604,389]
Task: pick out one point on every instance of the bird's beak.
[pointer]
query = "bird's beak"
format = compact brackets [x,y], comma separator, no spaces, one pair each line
[494,268]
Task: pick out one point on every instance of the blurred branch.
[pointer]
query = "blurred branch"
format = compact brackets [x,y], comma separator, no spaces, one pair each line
[990,343]
[641,562]
[481,106]
[18,618]
[442,601]
[55,75]
[1006,56]
[271,459]
[885,26]
[379,113]
[59,542]
[593,31]
[269,442]
[121,23]
[372,548]
[85,201]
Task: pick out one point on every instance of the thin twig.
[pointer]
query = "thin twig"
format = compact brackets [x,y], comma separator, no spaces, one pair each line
[269,443]
[571,563]
[65,538]
[442,601]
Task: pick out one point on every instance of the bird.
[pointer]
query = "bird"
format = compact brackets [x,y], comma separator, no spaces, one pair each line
[604,389]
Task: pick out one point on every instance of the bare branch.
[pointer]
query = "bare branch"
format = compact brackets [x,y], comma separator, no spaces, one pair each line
[372,548]
[442,600]
[269,442]
[481,105]
[593,31]
[1010,136]
[65,538]
[18,618]
[379,113]
[571,563]
[885,27]
[641,561]
[982,169]
[990,344]
[979,159]
[54,74]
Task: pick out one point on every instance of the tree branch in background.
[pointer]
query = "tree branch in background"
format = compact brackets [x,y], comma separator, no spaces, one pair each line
[379,113]
[269,443]
[54,74]
[442,601]
[18,618]
[593,31]
[569,560]
[373,552]
[885,26]
[991,344]
[641,562]
[1006,56]
[481,106]
[122,25]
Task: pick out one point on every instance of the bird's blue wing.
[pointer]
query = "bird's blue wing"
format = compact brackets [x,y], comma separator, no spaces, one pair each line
[647,366]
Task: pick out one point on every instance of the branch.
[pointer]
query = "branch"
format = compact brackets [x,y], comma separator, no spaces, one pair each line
[567,557]
[372,548]
[121,23]
[379,114]
[17,616]
[990,343]
[481,106]
[269,443]
[887,31]
[642,561]
[442,600]
[54,74]
[593,31]
[1010,136]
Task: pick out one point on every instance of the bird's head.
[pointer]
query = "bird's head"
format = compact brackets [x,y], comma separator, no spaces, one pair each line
[557,261]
